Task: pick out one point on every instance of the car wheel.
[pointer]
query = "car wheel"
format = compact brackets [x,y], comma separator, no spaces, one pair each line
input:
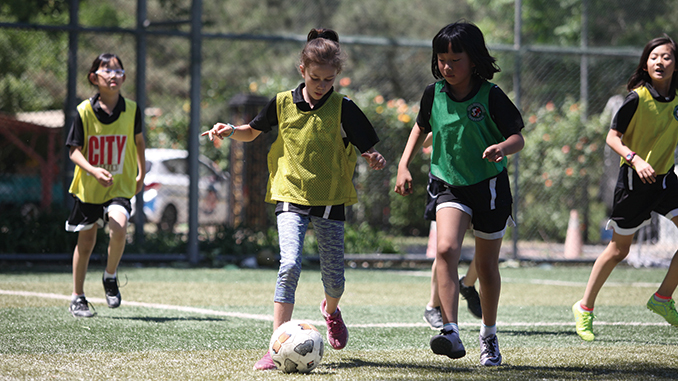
[168,219]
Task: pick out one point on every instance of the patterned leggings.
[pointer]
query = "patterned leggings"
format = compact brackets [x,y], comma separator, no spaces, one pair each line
[330,235]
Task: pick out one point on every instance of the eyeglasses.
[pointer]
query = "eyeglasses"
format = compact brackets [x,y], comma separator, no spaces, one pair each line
[110,73]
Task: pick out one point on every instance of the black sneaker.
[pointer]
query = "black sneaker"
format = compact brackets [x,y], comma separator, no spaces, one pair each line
[113,297]
[448,344]
[472,298]
[434,318]
[80,307]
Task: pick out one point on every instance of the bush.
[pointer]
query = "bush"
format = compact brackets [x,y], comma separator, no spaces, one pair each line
[560,170]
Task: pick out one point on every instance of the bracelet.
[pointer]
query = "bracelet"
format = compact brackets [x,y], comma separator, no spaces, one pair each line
[232,130]
[629,157]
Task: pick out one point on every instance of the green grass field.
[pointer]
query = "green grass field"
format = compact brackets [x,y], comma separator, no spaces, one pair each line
[213,324]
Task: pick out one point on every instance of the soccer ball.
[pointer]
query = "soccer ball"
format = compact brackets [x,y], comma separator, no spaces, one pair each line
[296,346]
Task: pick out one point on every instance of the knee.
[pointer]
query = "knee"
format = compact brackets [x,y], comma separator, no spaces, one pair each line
[289,272]
[618,253]
[448,250]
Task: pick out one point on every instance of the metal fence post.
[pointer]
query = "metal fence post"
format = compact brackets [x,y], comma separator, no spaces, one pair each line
[194,130]
[141,103]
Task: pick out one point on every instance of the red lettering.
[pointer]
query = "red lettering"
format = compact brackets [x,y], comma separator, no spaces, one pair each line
[109,148]
[92,150]
[122,139]
[102,148]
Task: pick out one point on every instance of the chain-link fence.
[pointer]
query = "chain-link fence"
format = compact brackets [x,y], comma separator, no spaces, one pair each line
[564,63]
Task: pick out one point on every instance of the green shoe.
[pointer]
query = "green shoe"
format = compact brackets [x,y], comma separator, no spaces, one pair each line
[667,310]
[584,323]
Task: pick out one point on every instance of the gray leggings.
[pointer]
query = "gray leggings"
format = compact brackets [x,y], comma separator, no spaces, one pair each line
[330,236]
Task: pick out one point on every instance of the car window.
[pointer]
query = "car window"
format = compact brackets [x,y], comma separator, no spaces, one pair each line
[206,171]
[176,166]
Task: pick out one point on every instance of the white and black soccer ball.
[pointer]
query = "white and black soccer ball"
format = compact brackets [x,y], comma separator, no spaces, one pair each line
[296,346]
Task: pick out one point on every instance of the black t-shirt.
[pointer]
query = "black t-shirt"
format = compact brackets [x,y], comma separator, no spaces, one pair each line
[502,111]
[76,136]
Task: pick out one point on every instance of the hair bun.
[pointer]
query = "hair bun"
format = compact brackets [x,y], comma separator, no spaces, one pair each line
[322,33]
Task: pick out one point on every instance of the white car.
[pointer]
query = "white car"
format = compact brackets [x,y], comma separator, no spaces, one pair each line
[166,190]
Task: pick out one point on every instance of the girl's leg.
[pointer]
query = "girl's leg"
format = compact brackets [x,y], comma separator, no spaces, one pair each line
[434,301]
[291,231]
[117,224]
[487,267]
[451,225]
[471,275]
[615,252]
[670,282]
[83,250]
[431,250]
[330,237]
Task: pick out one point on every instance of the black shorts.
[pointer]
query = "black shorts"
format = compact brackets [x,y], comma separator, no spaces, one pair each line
[488,202]
[634,201]
[84,216]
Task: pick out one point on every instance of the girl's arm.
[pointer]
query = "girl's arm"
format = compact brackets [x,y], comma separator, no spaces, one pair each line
[141,160]
[404,179]
[497,152]
[103,176]
[243,133]
[644,170]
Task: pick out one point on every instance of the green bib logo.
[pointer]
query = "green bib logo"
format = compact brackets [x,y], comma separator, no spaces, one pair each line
[475,112]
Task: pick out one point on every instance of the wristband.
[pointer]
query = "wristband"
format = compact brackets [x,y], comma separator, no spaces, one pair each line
[232,130]
[630,156]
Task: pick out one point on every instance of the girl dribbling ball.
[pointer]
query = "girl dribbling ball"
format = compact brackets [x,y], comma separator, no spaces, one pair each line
[311,168]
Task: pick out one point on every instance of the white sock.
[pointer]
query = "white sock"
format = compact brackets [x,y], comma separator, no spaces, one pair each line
[486,331]
[109,276]
[76,296]
[429,308]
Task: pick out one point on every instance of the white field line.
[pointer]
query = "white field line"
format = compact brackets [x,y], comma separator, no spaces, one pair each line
[548,282]
[205,311]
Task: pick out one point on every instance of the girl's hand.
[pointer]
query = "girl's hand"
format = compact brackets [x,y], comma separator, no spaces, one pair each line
[219,130]
[644,170]
[494,153]
[403,185]
[375,159]
[103,176]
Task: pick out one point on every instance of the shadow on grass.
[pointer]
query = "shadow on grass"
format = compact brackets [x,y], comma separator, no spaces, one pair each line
[350,363]
[628,371]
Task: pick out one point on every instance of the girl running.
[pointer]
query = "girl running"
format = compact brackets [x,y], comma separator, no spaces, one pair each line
[644,133]
[475,126]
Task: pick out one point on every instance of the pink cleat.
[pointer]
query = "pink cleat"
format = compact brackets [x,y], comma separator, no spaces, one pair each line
[337,333]
[265,363]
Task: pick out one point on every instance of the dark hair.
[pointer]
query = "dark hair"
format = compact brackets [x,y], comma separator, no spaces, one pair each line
[641,77]
[463,36]
[103,59]
[322,47]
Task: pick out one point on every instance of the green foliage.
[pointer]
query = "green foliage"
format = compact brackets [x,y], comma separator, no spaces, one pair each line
[358,239]
[560,170]
[25,230]
[31,10]
[379,205]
